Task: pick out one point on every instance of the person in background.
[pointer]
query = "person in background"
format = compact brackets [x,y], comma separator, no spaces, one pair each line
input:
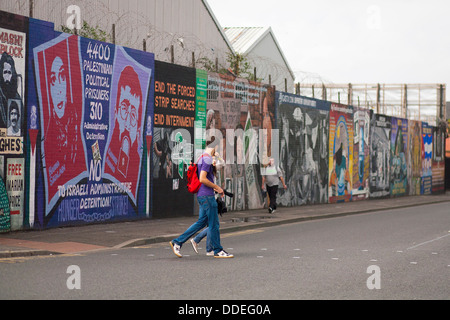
[271,177]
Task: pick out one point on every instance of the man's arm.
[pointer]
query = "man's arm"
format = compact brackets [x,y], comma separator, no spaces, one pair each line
[204,180]
[282,181]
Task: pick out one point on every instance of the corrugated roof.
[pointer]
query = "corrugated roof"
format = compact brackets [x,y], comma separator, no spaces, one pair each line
[243,38]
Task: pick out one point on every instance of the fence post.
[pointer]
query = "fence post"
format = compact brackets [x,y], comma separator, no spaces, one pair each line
[378,98]
[31,3]
[114,33]
[405,102]
[350,95]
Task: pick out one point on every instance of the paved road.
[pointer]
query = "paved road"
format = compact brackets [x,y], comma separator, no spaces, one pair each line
[321,259]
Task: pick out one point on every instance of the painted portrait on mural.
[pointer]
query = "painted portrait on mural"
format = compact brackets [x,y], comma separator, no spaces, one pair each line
[12,77]
[60,92]
[380,134]
[340,153]
[124,150]
[122,157]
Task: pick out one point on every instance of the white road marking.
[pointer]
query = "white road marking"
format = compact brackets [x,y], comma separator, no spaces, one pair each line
[426,242]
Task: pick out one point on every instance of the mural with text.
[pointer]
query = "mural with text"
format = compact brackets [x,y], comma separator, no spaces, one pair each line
[93,132]
[175,98]
[90,122]
[13,77]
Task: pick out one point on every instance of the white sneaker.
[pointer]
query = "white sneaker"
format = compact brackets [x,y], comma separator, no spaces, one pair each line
[176,249]
[223,254]
[211,253]
[194,245]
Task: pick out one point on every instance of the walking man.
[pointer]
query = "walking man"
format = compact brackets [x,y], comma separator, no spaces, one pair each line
[208,213]
[271,177]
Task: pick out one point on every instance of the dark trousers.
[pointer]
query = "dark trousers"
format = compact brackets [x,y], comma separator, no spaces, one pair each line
[272,192]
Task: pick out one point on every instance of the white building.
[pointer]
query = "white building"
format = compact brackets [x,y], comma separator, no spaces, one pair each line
[178,31]
[187,26]
[261,48]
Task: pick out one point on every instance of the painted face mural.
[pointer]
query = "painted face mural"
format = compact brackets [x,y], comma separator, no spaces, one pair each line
[58,87]
[92,102]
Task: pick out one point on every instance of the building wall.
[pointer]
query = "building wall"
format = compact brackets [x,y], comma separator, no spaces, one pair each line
[268,61]
[91,114]
[185,24]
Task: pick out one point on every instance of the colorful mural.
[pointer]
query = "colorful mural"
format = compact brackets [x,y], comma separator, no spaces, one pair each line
[13,85]
[438,171]
[93,132]
[88,129]
[399,153]
[415,157]
[340,153]
[427,158]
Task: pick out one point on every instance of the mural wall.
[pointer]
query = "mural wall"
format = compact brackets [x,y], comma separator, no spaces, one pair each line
[242,108]
[427,158]
[340,153]
[93,132]
[438,169]
[303,125]
[361,152]
[414,157]
[13,79]
[399,155]
[380,156]
[90,119]
[173,134]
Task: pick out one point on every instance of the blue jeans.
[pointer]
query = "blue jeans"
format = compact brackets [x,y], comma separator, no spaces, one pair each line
[208,215]
[201,235]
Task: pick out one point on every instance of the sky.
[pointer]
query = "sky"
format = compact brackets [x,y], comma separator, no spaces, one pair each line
[353,41]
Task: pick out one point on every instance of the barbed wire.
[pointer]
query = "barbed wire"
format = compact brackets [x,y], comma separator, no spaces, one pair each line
[133,29]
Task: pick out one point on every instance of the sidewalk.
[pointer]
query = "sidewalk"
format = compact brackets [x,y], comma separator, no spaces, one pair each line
[71,240]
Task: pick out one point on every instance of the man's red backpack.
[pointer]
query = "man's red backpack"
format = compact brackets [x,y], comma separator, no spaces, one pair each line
[193,183]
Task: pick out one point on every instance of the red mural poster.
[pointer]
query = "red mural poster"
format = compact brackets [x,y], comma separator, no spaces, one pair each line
[60,88]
